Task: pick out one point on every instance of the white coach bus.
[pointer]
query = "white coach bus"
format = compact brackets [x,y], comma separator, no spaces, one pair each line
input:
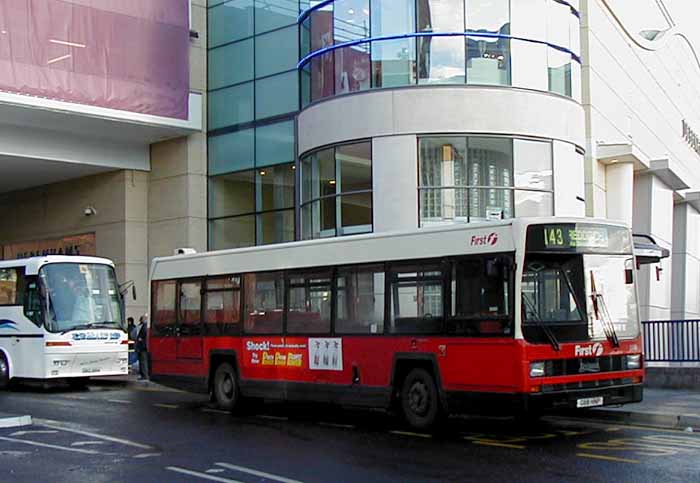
[61,317]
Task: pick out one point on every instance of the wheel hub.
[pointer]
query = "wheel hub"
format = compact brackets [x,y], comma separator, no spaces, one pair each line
[418,398]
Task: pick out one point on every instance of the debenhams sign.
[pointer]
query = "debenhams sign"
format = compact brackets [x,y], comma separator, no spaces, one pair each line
[691,137]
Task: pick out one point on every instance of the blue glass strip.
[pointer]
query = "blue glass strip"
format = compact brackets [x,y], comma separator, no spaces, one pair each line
[491,35]
[302,16]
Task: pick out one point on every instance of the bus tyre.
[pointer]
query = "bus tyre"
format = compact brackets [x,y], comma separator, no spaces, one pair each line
[226,390]
[78,382]
[419,399]
[4,372]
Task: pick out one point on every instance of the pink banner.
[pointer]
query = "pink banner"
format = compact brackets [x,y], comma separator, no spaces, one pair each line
[131,55]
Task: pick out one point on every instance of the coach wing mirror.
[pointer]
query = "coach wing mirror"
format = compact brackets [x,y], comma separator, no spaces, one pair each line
[124,289]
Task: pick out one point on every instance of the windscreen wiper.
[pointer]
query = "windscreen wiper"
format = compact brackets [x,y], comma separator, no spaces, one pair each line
[601,313]
[540,323]
[90,325]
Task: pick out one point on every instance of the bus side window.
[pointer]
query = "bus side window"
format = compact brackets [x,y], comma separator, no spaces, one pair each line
[164,308]
[309,303]
[480,289]
[11,286]
[222,306]
[264,302]
[360,300]
[416,298]
[190,305]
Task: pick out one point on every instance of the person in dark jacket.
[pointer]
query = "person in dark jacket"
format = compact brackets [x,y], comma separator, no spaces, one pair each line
[131,332]
[141,346]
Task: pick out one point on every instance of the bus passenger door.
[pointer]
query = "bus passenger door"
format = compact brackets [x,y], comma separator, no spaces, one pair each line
[189,328]
[162,341]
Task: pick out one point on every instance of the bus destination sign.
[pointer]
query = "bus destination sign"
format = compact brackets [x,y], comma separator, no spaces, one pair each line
[566,237]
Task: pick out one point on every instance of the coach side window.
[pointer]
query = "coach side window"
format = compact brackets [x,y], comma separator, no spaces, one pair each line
[481,298]
[222,306]
[416,298]
[164,307]
[360,300]
[309,303]
[11,286]
[264,302]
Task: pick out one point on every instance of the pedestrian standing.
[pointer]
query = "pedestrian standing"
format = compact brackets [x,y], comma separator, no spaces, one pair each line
[141,346]
[131,333]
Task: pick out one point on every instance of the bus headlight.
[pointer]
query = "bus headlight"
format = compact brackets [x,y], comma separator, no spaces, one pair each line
[634,361]
[536,369]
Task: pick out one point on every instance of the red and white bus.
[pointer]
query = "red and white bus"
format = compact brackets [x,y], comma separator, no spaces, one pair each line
[515,316]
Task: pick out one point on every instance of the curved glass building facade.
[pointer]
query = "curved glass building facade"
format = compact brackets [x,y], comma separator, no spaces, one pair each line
[356,45]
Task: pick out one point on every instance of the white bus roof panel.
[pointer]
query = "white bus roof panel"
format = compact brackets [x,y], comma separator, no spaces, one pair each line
[33,264]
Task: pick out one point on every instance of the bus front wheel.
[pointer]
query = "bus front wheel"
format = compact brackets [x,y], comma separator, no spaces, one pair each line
[419,399]
[226,387]
[4,372]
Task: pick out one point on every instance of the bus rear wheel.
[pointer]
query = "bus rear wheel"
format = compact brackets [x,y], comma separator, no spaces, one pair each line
[419,400]
[4,372]
[225,388]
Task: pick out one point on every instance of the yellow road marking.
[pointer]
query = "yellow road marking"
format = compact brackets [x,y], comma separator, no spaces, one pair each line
[606,458]
[408,433]
[499,445]
[166,406]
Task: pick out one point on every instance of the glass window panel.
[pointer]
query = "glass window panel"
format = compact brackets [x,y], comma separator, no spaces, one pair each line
[490,204]
[576,81]
[352,69]
[307,223]
[275,187]
[232,232]
[309,303]
[322,76]
[416,299]
[190,306]
[276,95]
[351,20]
[232,194]
[360,300]
[529,65]
[276,52]
[307,178]
[441,60]
[559,24]
[321,27]
[164,304]
[323,171]
[320,216]
[222,283]
[356,213]
[231,106]
[533,203]
[442,161]
[559,67]
[440,15]
[575,34]
[533,164]
[272,14]
[230,64]
[440,206]
[393,17]
[264,303]
[490,161]
[305,38]
[231,152]
[222,312]
[276,227]
[355,163]
[394,63]
[275,143]
[488,59]
[230,21]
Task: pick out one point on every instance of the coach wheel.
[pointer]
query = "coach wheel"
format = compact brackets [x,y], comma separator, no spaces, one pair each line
[4,372]
[226,387]
[419,399]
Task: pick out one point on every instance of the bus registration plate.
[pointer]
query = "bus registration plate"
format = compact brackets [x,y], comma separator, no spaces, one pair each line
[589,402]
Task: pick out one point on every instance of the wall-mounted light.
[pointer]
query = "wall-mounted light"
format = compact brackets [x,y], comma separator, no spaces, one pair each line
[89,211]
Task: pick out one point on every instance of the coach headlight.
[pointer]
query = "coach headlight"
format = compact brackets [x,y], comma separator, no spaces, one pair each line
[536,369]
[634,361]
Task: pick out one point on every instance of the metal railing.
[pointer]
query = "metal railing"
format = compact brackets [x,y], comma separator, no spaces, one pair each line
[671,340]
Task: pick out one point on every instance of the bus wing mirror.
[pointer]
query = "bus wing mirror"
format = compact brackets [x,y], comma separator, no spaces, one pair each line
[133,291]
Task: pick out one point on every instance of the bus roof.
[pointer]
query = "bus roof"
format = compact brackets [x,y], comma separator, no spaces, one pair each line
[487,237]
[33,264]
